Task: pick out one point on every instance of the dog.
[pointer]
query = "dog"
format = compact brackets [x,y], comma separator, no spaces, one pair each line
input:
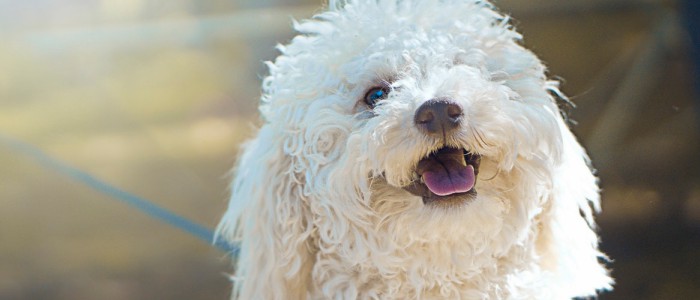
[412,149]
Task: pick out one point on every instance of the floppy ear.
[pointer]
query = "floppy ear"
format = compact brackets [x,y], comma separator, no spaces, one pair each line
[568,243]
[269,216]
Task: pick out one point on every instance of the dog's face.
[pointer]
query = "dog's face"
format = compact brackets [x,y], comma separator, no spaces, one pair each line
[426,113]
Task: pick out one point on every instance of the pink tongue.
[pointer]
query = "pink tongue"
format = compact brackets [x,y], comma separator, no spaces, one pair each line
[451,179]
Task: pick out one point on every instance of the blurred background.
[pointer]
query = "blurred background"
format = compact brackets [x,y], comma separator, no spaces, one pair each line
[155,96]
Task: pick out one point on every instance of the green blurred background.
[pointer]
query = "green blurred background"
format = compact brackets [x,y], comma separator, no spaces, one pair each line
[155,96]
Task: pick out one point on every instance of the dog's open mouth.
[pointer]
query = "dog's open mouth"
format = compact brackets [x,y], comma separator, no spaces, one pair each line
[446,176]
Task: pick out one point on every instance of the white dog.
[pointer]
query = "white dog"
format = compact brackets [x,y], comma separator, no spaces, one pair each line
[412,149]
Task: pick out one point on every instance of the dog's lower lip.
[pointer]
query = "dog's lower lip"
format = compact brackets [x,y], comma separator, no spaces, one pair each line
[450,200]
[419,189]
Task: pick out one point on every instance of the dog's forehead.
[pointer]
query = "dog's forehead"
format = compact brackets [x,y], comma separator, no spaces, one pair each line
[341,53]
[391,32]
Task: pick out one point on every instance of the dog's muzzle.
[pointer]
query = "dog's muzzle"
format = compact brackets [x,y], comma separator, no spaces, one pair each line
[447,175]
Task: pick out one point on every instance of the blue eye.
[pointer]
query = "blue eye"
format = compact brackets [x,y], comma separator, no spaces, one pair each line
[375,94]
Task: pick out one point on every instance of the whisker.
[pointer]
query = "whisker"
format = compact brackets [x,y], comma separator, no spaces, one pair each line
[498,171]
[480,139]
[476,137]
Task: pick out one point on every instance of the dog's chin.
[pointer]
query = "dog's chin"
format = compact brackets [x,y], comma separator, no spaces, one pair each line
[456,170]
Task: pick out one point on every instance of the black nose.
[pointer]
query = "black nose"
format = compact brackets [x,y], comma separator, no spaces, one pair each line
[438,116]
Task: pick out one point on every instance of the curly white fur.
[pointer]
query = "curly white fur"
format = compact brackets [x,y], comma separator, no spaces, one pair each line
[317,203]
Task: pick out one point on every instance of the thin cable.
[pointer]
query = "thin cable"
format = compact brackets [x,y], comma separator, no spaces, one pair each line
[141,204]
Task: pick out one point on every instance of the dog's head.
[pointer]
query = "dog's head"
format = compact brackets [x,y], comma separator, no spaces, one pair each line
[425,107]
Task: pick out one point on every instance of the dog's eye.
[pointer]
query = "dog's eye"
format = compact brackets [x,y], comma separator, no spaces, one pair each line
[375,94]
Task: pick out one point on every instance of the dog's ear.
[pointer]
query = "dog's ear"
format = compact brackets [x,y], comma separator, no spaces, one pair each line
[567,242]
[269,216]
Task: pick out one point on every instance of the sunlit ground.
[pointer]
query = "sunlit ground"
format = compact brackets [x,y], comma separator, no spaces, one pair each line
[155,99]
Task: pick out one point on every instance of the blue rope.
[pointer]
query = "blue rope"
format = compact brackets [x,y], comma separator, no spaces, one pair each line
[143,205]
